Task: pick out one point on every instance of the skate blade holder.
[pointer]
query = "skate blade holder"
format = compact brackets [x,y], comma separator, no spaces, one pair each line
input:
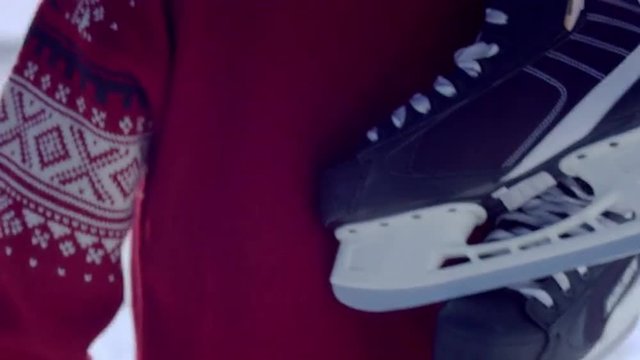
[397,262]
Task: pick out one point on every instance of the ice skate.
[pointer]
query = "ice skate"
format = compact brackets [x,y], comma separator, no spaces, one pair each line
[550,92]
[583,314]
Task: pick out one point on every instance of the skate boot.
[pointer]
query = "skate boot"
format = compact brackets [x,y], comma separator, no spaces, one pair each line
[551,90]
[578,315]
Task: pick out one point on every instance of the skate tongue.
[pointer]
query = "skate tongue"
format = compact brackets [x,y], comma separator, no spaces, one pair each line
[574,9]
[533,25]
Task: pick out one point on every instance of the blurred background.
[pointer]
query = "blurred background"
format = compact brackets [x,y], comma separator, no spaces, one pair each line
[117,343]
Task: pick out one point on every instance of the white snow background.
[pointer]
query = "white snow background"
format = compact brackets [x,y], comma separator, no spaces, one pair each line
[117,343]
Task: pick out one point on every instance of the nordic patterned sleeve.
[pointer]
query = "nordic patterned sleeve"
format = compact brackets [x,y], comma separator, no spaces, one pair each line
[75,120]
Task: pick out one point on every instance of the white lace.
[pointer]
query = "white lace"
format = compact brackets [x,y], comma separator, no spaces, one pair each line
[545,210]
[466,59]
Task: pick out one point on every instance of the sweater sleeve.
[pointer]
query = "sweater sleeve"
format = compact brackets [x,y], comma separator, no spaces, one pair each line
[76,117]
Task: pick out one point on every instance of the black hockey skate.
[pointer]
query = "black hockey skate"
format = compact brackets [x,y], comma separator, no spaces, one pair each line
[578,315]
[550,91]
[575,316]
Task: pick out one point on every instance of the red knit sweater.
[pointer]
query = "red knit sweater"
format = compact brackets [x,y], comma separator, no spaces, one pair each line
[233,107]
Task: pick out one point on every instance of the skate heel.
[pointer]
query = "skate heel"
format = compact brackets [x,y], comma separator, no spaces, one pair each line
[381,264]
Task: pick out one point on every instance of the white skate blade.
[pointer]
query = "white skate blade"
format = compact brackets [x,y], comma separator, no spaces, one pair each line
[381,264]
[395,263]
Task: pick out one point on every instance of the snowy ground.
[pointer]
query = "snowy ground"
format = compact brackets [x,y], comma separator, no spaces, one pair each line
[116,343]
[630,350]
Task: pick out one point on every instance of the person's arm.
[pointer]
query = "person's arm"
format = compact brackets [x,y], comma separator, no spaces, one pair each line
[75,119]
